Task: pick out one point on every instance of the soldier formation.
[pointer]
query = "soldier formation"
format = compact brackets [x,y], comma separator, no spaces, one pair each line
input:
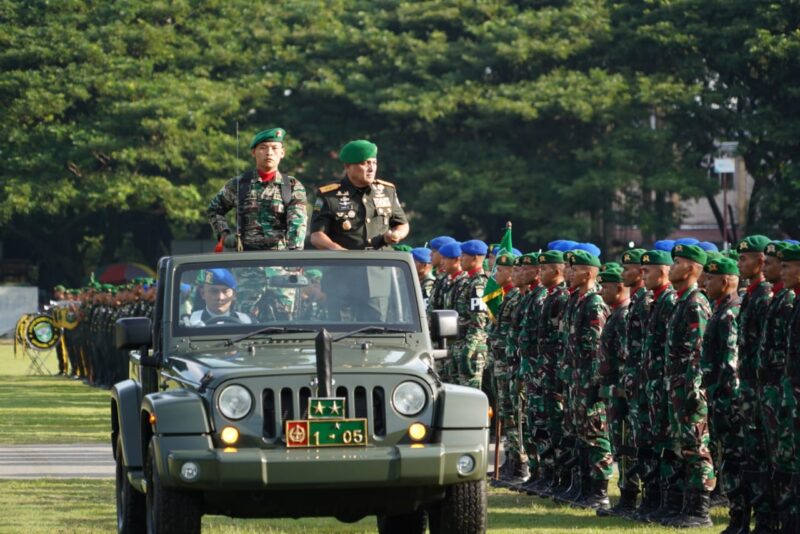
[88,352]
[679,364]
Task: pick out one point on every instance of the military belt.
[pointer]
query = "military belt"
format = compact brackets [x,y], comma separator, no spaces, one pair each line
[770,376]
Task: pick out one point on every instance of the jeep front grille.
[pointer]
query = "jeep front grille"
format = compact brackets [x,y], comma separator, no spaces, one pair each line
[281,404]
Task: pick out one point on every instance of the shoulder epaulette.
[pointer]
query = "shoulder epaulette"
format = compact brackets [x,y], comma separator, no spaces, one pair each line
[384,182]
[330,187]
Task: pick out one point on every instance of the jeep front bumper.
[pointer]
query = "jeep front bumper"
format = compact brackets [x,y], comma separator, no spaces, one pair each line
[430,464]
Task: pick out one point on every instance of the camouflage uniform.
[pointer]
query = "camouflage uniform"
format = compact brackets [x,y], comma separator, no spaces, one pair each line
[589,412]
[449,368]
[719,365]
[688,410]
[266,223]
[787,451]
[473,321]
[609,377]
[426,284]
[501,372]
[435,297]
[754,308]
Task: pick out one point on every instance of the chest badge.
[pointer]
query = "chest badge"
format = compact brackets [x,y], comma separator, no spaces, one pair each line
[346,225]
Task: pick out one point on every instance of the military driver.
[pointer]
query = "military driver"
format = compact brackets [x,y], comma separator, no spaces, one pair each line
[359,212]
[219,293]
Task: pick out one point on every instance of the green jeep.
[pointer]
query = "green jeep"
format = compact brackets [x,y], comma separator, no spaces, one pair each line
[294,384]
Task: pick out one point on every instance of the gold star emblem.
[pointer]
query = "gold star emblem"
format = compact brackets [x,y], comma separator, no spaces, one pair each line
[541,259]
[743,245]
[319,408]
[335,408]
[626,258]
[646,258]
[771,249]
[679,248]
[713,268]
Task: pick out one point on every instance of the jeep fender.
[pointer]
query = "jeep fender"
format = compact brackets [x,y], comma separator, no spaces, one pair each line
[126,398]
[176,412]
[462,407]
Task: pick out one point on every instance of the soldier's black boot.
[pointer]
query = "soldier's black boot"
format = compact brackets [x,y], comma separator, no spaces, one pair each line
[695,514]
[596,497]
[671,504]
[573,489]
[502,475]
[765,522]
[739,519]
[545,479]
[586,488]
[625,507]
[519,475]
[651,499]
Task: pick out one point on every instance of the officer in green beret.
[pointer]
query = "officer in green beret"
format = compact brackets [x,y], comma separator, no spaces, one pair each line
[270,207]
[360,211]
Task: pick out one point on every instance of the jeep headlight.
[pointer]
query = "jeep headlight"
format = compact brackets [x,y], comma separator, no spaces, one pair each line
[408,398]
[234,402]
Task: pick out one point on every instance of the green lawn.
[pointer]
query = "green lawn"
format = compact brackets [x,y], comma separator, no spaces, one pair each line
[59,410]
[87,506]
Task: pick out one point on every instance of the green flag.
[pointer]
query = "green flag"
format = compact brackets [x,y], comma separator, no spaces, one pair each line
[493,294]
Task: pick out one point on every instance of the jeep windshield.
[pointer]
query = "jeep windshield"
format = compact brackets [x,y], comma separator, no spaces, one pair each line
[234,298]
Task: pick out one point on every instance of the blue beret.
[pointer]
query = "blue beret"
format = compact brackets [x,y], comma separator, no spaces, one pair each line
[792,241]
[665,245]
[516,252]
[451,250]
[686,241]
[220,277]
[708,246]
[185,288]
[562,245]
[591,248]
[421,254]
[438,242]
[474,247]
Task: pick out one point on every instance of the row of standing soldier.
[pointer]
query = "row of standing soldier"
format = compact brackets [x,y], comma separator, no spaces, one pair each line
[679,364]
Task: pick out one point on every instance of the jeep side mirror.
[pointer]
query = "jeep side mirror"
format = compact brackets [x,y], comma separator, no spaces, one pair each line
[133,333]
[444,324]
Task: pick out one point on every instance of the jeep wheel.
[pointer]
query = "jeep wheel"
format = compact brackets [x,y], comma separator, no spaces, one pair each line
[130,503]
[169,510]
[462,511]
[413,523]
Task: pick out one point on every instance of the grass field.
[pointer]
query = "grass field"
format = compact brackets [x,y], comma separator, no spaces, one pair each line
[59,410]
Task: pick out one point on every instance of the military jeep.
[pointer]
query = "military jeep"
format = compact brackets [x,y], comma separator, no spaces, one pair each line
[294,384]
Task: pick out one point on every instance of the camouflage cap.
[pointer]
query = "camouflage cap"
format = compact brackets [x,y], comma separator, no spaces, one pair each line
[753,243]
[633,255]
[274,135]
[721,265]
[690,252]
[582,257]
[656,257]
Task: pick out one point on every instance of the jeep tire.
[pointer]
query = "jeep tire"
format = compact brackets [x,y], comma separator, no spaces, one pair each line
[462,511]
[169,510]
[413,523]
[131,518]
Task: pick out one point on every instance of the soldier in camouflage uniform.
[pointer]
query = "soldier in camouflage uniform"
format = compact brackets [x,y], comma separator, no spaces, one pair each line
[687,408]
[754,477]
[473,315]
[654,437]
[787,450]
[270,207]
[435,298]
[549,421]
[628,394]
[588,411]
[516,471]
[609,376]
[422,262]
[772,356]
[454,278]
[719,364]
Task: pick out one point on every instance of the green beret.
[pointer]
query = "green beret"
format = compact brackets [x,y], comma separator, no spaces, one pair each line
[656,257]
[358,151]
[581,257]
[551,256]
[790,253]
[59,287]
[690,252]
[610,275]
[633,255]
[313,273]
[721,265]
[776,246]
[711,255]
[276,135]
[531,258]
[74,291]
[611,266]
[753,243]
[505,259]
[402,248]
[732,254]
